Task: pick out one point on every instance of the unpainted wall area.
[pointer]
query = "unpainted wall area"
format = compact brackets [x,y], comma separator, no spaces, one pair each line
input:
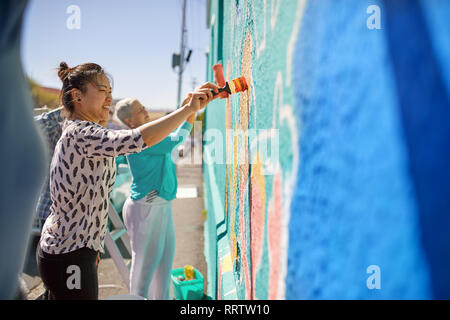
[342,171]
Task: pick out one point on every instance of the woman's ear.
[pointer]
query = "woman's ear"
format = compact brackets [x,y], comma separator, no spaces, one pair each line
[128,122]
[76,95]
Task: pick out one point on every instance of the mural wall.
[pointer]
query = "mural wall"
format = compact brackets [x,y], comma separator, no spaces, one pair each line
[327,179]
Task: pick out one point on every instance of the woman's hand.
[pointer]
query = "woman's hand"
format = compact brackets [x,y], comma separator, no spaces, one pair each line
[192,116]
[208,85]
[202,96]
[155,131]
[187,99]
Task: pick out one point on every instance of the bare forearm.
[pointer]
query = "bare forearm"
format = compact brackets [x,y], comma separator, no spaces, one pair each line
[155,131]
[191,118]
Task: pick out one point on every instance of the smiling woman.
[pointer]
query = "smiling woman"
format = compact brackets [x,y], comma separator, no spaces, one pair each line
[86,86]
[82,174]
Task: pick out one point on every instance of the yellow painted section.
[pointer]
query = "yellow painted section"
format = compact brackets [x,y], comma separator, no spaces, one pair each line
[226,263]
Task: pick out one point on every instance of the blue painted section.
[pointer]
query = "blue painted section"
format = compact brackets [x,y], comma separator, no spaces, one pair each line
[373,181]
[425,107]
[355,203]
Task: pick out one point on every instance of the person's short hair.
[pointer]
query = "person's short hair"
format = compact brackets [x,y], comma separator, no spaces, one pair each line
[124,109]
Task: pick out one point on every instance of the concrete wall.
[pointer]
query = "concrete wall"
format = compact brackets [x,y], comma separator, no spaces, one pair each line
[341,188]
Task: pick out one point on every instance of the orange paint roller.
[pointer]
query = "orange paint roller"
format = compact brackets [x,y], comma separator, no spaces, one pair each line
[220,79]
[228,87]
[234,86]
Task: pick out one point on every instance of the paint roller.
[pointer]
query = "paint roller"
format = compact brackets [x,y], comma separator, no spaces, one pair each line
[228,87]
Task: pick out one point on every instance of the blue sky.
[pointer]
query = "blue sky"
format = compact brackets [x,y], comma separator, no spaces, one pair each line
[133,40]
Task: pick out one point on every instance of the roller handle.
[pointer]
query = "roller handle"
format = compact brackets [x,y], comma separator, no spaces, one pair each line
[223,89]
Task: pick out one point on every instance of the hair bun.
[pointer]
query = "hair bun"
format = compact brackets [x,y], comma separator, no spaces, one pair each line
[63,71]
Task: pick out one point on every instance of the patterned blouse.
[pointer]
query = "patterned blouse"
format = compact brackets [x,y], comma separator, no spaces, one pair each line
[82,175]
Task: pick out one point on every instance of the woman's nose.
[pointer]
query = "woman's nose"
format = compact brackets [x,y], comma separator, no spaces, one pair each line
[109,98]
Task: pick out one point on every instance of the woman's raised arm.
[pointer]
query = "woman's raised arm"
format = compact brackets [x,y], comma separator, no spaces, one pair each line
[155,131]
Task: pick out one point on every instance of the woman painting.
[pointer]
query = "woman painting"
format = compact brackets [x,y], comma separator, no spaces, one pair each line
[82,174]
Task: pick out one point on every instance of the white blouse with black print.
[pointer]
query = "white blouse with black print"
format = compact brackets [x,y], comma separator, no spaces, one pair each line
[82,175]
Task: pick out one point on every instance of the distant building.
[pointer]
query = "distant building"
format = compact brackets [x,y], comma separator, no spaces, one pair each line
[44,96]
[50,90]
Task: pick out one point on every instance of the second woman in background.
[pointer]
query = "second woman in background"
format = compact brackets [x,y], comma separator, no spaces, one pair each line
[147,212]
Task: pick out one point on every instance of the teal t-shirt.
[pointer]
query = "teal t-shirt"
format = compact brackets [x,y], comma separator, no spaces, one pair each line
[154,169]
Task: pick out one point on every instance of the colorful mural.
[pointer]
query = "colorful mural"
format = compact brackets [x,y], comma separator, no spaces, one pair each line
[320,179]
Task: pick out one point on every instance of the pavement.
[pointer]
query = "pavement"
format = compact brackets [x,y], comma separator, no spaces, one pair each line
[188,220]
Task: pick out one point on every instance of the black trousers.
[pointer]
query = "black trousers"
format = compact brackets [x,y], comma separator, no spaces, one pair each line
[69,276]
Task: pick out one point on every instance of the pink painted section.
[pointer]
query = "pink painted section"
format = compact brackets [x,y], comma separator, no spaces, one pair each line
[256,230]
[275,225]
[244,261]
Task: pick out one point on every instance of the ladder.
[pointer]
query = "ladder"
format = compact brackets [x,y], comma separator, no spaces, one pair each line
[118,231]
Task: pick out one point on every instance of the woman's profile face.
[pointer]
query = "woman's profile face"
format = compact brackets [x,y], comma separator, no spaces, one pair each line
[97,100]
[140,114]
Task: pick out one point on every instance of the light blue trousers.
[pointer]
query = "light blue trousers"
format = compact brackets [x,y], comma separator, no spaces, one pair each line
[152,236]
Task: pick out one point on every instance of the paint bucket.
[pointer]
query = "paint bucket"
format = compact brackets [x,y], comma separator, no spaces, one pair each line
[187,289]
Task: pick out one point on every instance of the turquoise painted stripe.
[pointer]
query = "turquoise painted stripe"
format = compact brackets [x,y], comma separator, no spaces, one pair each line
[228,289]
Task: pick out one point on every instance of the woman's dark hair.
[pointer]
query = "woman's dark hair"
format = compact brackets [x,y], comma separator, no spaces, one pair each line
[77,78]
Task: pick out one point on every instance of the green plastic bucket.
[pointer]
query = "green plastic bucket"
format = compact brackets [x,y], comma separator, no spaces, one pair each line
[187,289]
